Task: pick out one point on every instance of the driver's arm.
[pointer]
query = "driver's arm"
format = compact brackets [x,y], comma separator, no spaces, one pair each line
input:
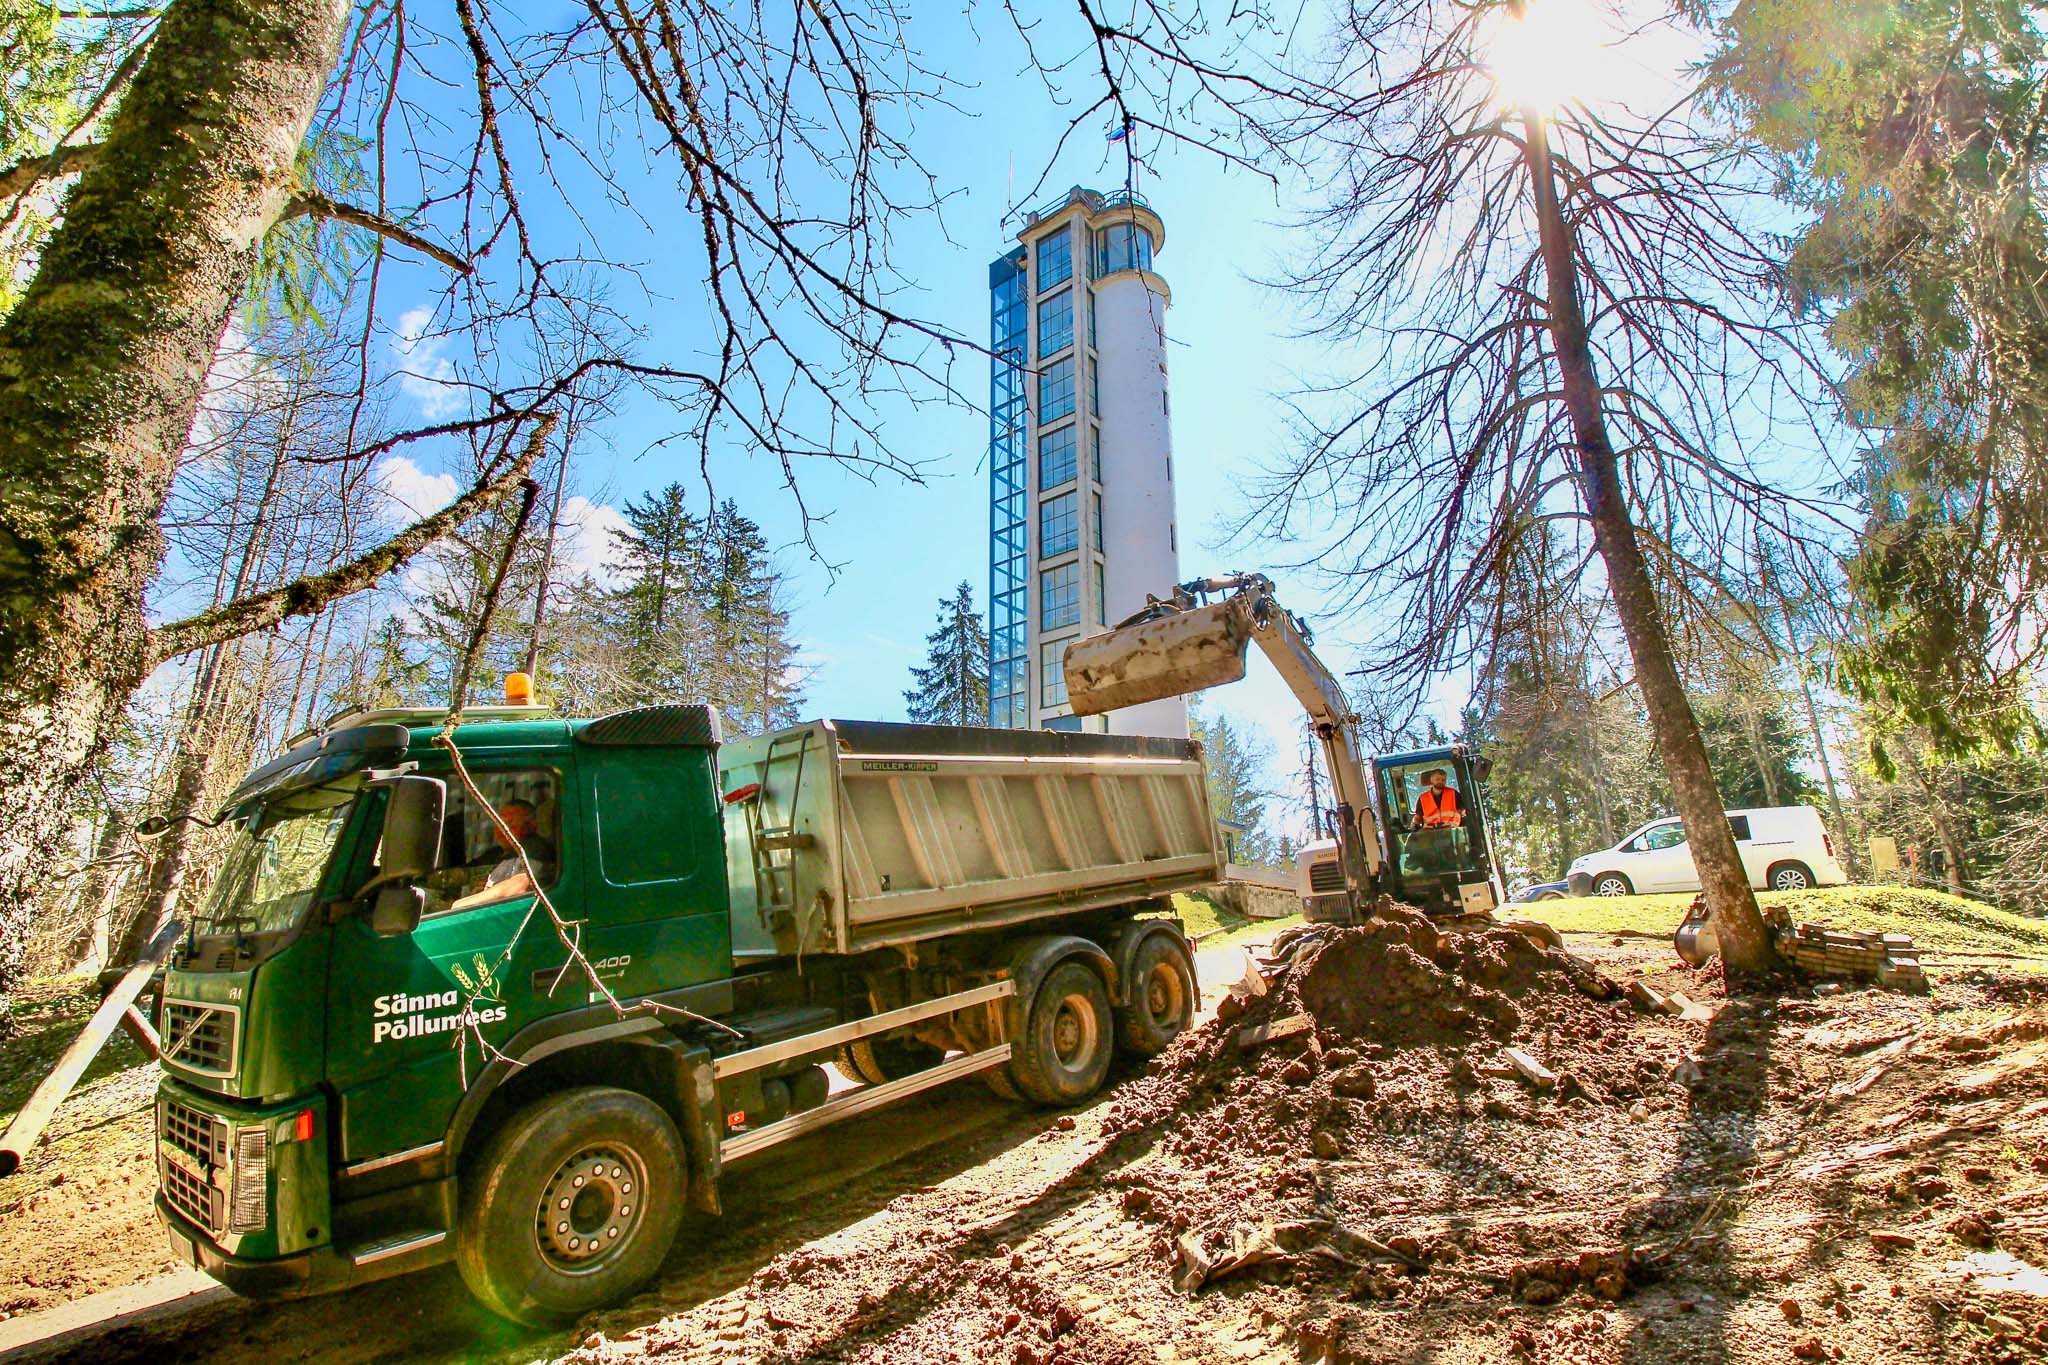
[511,888]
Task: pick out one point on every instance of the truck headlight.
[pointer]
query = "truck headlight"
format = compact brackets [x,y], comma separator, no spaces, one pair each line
[250,1208]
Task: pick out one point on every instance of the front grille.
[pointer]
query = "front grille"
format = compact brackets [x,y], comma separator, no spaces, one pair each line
[1325,877]
[197,1135]
[200,1038]
[191,1195]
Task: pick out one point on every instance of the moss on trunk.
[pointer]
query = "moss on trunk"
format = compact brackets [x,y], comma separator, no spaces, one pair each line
[101,369]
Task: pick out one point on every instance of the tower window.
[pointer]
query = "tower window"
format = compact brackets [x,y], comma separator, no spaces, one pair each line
[1056,390]
[1056,458]
[1059,597]
[1056,322]
[1052,673]
[1059,530]
[1122,246]
[1056,259]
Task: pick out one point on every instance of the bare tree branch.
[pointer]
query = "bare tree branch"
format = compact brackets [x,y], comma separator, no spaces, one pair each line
[313,202]
[305,596]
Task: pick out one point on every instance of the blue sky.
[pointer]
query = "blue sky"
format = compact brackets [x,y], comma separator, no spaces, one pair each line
[896,546]
[889,548]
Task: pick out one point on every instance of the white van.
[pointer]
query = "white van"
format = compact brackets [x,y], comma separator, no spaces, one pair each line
[1784,848]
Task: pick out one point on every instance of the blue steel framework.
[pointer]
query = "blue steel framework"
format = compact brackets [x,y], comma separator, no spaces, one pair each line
[1009,496]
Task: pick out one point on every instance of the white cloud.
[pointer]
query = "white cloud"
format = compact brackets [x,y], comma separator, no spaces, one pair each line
[410,491]
[425,373]
[585,544]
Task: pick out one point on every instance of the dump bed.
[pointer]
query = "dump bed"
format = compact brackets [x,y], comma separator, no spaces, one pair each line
[848,835]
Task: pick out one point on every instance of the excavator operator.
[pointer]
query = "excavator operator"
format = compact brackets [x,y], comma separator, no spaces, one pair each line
[1439,811]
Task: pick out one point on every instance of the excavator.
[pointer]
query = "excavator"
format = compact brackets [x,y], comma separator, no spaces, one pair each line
[1197,639]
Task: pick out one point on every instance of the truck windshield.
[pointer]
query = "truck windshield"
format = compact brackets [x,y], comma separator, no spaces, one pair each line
[273,868]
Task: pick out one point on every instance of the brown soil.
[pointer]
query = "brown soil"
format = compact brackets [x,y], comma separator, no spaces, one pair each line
[76,1218]
[1381,1187]
[1376,1188]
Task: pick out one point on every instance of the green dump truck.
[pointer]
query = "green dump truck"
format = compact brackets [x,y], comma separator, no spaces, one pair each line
[382,1050]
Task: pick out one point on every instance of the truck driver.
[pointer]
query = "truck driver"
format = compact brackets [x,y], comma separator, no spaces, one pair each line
[508,880]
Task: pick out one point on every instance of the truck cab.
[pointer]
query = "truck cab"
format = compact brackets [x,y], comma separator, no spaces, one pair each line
[1438,849]
[511,992]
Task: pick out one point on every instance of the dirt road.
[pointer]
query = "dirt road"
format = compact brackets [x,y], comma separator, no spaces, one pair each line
[1838,1182]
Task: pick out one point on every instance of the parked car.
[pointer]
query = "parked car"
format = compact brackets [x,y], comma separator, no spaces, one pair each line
[1541,891]
[1783,848]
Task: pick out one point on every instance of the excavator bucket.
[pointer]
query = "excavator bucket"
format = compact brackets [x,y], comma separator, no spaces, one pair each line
[1167,656]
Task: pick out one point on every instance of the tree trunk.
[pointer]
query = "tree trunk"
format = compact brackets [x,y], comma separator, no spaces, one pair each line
[1938,813]
[101,368]
[1745,942]
[1850,855]
[100,890]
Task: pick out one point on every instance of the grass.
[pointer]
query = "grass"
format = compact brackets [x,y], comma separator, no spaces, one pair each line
[46,1016]
[1937,921]
[1217,925]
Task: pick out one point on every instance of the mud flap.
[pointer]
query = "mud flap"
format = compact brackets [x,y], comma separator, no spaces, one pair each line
[703,1129]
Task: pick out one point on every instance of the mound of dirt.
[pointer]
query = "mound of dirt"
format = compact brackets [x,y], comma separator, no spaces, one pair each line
[1404,1019]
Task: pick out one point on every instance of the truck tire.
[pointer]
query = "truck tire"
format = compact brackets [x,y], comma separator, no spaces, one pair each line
[850,1066]
[1790,877]
[891,1059]
[1163,992]
[1064,1053]
[573,1204]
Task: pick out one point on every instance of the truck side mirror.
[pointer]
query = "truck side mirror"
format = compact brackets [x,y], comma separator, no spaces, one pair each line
[1482,768]
[396,911]
[412,829]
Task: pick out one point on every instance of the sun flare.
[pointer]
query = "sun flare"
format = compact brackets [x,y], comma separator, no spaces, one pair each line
[1558,51]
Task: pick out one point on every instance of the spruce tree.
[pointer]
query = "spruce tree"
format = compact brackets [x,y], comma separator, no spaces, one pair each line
[952,686]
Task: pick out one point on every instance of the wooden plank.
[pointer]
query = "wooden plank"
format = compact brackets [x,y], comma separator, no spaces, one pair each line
[1533,1071]
[42,1105]
[1257,1035]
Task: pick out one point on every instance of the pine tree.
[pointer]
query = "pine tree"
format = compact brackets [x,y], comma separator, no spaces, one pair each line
[952,686]
[1237,761]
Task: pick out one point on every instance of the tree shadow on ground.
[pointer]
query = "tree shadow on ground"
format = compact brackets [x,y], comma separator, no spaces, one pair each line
[1697,1200]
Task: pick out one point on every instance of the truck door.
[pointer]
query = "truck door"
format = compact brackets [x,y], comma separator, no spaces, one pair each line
[410,1014]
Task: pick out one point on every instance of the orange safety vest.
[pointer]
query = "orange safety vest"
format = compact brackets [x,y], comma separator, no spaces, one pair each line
[1439,809]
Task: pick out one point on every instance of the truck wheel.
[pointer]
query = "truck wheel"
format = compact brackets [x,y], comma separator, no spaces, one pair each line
[571,1205]
[1162,998]
[891,1059]
[1612,884]
[850,1066]
[1063,1055]
[1791,877]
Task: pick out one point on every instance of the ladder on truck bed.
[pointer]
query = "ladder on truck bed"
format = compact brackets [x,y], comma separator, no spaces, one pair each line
[868,1096]
[772,849]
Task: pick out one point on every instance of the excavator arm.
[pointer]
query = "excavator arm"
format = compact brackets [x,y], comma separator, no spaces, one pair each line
[1187,643]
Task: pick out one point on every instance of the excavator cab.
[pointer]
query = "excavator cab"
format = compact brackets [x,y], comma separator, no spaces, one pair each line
[1438,844]
[1434,862]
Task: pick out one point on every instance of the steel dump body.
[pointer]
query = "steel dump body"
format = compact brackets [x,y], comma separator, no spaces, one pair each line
[862,834]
